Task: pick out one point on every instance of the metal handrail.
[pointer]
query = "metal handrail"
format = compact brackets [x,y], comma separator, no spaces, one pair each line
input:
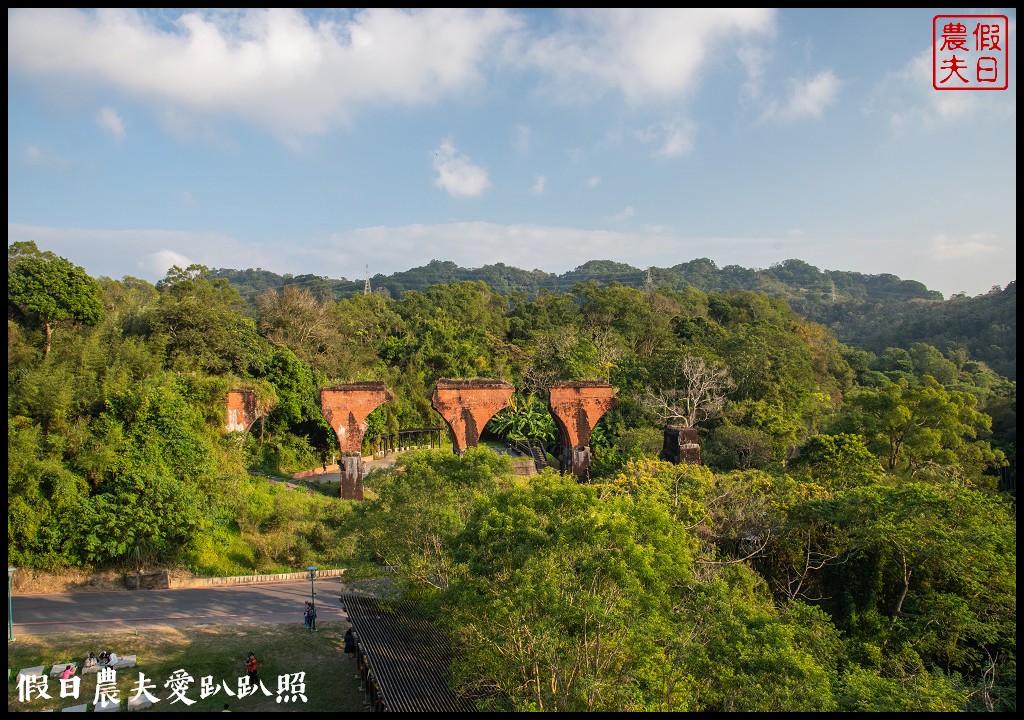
[535,449]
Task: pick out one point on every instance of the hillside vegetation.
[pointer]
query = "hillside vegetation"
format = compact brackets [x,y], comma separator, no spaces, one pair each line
[847,544]
[872,312]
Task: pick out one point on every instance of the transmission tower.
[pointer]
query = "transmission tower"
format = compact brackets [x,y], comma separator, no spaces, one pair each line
[366,285]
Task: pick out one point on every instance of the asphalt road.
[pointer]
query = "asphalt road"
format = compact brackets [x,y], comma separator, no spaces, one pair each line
[242,605]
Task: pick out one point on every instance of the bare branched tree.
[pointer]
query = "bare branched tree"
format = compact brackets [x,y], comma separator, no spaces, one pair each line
[294,317]
[696,392]
[798,579]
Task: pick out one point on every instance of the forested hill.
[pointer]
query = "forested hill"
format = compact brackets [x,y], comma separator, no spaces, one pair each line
[792,280]
[844,542]
[872,312]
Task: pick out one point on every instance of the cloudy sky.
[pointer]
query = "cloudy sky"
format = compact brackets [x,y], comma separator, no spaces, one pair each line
[327,141]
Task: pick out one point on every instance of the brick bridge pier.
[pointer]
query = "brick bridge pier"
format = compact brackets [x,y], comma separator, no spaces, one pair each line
[467,405]
[577,406]
[242,412]
[345,408]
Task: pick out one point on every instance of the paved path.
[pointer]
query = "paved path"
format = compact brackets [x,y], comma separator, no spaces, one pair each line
[243,604]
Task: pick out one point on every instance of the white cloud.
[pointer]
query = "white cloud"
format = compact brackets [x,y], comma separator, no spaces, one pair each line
[538,185]
[909,100]
[187,200]
[807,98]
[108,119]
[290,73]
[626,213]
[674,137]
[754,60]
[156,264]
[593,181]
[643,53]
[962,247]
[456,174]
[298,74]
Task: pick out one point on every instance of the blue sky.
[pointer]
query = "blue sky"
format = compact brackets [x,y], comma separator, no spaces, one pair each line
[324,142]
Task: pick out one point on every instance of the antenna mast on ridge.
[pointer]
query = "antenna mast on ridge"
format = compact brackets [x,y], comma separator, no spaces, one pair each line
[366,285]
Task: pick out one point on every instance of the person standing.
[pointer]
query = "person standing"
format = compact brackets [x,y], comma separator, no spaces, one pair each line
[306,616]
[250,669]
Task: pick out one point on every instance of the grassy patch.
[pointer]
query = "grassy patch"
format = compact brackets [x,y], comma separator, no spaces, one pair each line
[330,489]
[215,651]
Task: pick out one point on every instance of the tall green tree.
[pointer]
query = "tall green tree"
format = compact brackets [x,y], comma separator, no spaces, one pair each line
[421,505]
[559,605]
[200,322]
[923,426]
[837,462]
[50,289]
[930,581]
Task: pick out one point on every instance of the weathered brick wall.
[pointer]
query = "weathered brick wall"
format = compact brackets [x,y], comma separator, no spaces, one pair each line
[345,408]
[241,410]
[681,445]
[467,405]
[577,407]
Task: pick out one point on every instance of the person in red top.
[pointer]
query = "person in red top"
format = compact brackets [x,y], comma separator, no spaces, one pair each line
[68,672]
[250,668]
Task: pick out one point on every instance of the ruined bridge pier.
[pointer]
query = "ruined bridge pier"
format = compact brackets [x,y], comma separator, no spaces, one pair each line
[241,411]
[577,407]
[467,405]
[345,408]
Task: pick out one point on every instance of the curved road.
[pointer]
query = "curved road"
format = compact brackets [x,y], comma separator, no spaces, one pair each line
[241,604]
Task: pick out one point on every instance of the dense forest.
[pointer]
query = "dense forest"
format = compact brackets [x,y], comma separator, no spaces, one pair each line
[871,312]
[848,542]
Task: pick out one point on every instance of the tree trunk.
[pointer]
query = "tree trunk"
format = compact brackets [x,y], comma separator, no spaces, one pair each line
[906,586]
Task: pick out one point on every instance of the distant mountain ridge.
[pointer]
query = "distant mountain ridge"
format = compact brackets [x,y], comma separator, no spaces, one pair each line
[871,312]
[791,278]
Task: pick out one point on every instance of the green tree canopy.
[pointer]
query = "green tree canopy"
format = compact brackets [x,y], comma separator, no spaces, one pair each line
[923,426]
[50,288]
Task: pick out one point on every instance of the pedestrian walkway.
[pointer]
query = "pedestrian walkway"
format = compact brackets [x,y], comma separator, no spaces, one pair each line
[333,472]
